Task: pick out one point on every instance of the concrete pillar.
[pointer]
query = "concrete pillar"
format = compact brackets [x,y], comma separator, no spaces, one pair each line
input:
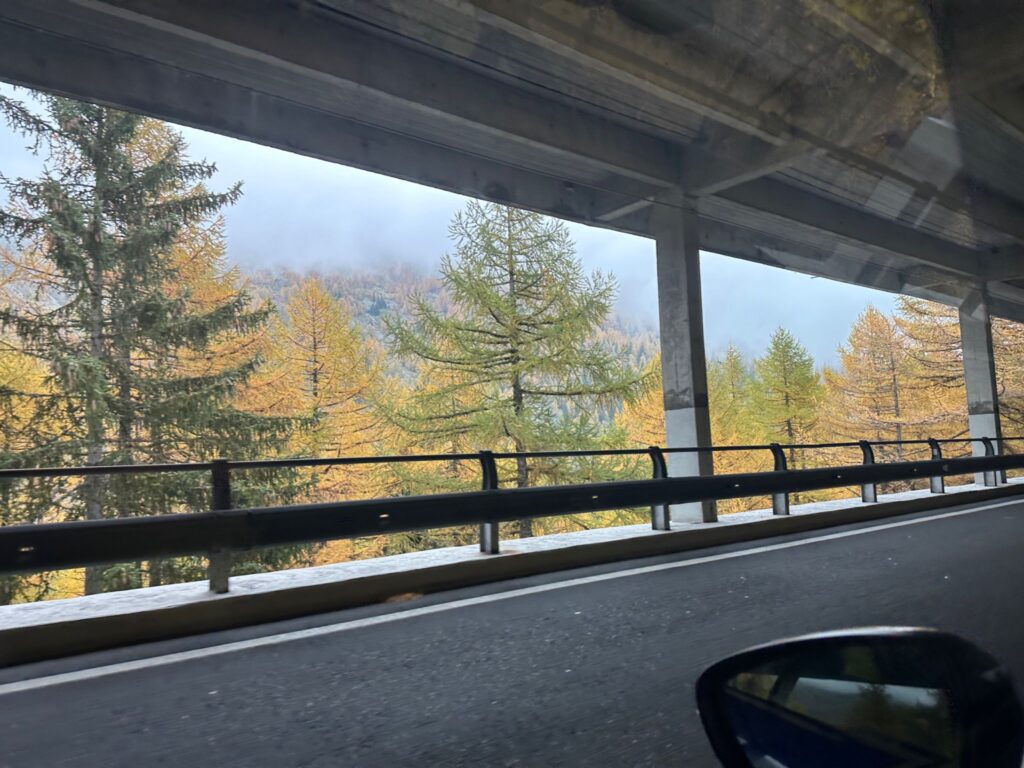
[979,373]
[683,366]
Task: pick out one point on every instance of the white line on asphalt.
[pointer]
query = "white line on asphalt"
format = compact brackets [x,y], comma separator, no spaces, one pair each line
[387,618]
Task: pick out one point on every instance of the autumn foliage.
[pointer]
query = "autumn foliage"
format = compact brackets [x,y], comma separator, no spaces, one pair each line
[126,336]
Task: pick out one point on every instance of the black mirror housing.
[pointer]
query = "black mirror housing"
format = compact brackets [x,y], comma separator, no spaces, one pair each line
[881,697]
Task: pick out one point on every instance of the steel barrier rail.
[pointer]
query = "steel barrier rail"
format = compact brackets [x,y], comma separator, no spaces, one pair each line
[49,546]
[12,473]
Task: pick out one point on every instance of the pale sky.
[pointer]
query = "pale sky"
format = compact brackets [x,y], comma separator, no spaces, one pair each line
[309,214]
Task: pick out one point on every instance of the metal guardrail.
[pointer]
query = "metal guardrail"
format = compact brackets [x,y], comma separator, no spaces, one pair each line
[224,530]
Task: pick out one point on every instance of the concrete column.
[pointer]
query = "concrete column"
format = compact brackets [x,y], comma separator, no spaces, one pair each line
[979,373]
[683,366]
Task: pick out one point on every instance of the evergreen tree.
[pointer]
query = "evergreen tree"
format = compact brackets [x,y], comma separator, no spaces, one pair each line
[728,397]
[132,354]
[786,391]
[516,359]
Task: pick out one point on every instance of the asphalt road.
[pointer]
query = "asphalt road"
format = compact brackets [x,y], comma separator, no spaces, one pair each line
[595,673]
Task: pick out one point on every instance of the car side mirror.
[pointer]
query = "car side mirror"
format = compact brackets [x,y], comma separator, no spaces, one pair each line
[885,698]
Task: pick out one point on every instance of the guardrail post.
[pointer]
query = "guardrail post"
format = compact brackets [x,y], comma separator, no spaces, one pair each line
[780,501]
[868,491]
[938,482]
[219,564]
[661,520]
[489,534]
[990,476]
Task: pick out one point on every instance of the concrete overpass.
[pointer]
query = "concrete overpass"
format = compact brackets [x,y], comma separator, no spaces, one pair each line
[877,142]
[871,142]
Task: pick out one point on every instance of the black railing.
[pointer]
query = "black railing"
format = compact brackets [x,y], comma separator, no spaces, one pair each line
[224,530]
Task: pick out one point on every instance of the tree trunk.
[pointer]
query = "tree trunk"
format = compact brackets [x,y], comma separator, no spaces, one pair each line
[522,469]
[790,432]
[896,414]
[92,486]
[518,403]
[92,489]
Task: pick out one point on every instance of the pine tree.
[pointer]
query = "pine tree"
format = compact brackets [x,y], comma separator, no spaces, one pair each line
[729,397]
[729,402]
[130,349]
[516,359]
[786,391]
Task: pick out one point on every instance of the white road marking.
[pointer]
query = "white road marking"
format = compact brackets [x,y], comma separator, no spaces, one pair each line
[331,629]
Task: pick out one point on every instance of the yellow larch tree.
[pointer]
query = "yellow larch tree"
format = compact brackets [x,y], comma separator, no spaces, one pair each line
[327,373]
[642,422]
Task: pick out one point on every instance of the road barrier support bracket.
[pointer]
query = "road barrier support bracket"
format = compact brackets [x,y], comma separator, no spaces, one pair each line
[937,483]
[868,491]
[780,501]
[490,537]
[661,518]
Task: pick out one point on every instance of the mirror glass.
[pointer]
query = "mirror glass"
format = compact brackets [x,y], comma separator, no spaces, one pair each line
[857,704]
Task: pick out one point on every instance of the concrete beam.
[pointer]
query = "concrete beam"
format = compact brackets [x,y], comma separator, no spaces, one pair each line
[683,363]
[113,78]
[1000,107]
[840,264]
[732,159]
[984,206]
[1007,264]
[346,103]
[981,42]
[1005,301]
[701,67]
[351,70]
[791,202]
[880,44]
[979,373]
[622,211]
[611,61]
[849,266]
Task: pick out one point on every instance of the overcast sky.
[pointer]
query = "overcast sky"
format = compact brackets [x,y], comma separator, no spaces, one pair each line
[309,214]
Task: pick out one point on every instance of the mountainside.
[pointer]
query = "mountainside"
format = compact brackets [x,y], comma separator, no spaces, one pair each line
[371,295]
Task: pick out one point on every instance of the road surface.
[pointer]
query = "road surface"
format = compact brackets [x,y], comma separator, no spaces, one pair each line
[591,667]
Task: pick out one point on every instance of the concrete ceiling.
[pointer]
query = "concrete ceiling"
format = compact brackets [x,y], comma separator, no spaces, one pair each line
[879,142]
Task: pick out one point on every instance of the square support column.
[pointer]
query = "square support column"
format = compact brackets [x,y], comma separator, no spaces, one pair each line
[683,364]
[980,375]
